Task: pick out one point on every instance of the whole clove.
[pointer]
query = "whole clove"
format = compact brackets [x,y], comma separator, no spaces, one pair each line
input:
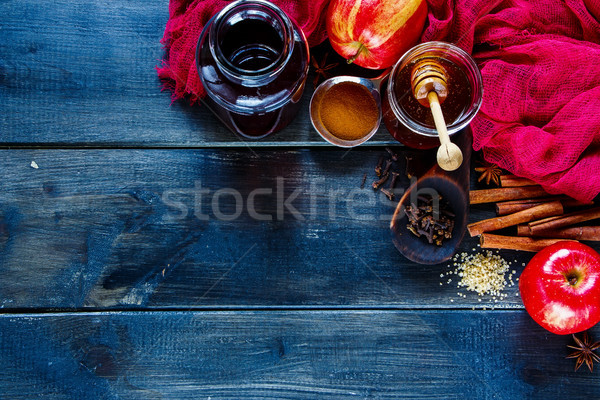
[380,182]
[388,165]
[378,167]
[364,179]
[395,176]
[388,193]
[392,154]
[425,221]
[384,172]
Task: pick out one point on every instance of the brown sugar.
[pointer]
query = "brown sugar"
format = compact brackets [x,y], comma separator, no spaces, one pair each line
[348,111]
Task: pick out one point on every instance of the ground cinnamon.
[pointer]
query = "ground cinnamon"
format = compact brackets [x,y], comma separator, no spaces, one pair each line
[348,111]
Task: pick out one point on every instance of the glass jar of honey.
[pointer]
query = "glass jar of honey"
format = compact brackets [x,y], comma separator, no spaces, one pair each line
[253,61]
[410,122]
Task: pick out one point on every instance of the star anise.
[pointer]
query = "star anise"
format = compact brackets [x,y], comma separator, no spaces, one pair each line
[489,172]
[321,68]
[585,352]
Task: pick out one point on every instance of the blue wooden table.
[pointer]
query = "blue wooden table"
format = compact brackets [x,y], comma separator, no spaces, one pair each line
[133,264]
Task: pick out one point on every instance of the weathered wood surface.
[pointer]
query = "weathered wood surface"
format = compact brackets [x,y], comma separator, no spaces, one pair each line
[83,72]
[287,355]
[305,299]
[132,228]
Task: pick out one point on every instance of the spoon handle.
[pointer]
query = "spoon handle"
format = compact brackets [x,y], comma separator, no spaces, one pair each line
[438,117]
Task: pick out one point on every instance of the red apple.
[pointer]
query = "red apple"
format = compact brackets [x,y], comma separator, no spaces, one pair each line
[560,287]
[375,33]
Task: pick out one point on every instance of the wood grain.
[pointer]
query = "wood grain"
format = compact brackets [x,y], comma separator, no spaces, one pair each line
[120,228]
[287,355]
[166,297]
[83,73]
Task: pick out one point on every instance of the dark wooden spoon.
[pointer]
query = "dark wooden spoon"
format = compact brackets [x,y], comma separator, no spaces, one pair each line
[452,186]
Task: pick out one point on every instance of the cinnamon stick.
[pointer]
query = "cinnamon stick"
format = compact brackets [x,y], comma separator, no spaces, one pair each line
[513,206]
[537,212]
[503,208]
[515,181]
[536,200]
[589,233]
[543,221]
[491,241]
[503,194]
[524,230]
[566,220]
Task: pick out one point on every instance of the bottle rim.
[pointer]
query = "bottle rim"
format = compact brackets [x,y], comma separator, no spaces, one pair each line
[262,8]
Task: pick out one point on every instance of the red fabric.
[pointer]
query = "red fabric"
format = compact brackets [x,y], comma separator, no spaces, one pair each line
[186,20]
[540,62]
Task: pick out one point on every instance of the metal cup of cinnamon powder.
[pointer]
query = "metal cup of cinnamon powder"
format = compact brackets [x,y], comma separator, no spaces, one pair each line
[345,110]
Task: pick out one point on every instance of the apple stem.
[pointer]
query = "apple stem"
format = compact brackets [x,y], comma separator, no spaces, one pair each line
[361,48]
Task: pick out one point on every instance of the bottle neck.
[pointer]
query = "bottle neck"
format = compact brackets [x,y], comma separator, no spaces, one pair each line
[251,41]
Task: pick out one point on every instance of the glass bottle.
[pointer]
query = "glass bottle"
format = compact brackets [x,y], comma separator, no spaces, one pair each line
[411,123]
[253,61]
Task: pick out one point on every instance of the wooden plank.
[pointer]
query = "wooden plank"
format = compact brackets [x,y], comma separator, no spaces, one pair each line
[122,228]
[82,72]
[287,355]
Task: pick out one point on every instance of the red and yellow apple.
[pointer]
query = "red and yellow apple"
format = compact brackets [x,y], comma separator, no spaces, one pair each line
[374,34]
[560,287]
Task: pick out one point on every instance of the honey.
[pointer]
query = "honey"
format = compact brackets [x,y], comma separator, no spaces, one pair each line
[457,100]
[411,122]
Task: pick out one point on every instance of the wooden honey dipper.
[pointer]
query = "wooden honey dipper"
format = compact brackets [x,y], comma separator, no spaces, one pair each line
[430,88]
